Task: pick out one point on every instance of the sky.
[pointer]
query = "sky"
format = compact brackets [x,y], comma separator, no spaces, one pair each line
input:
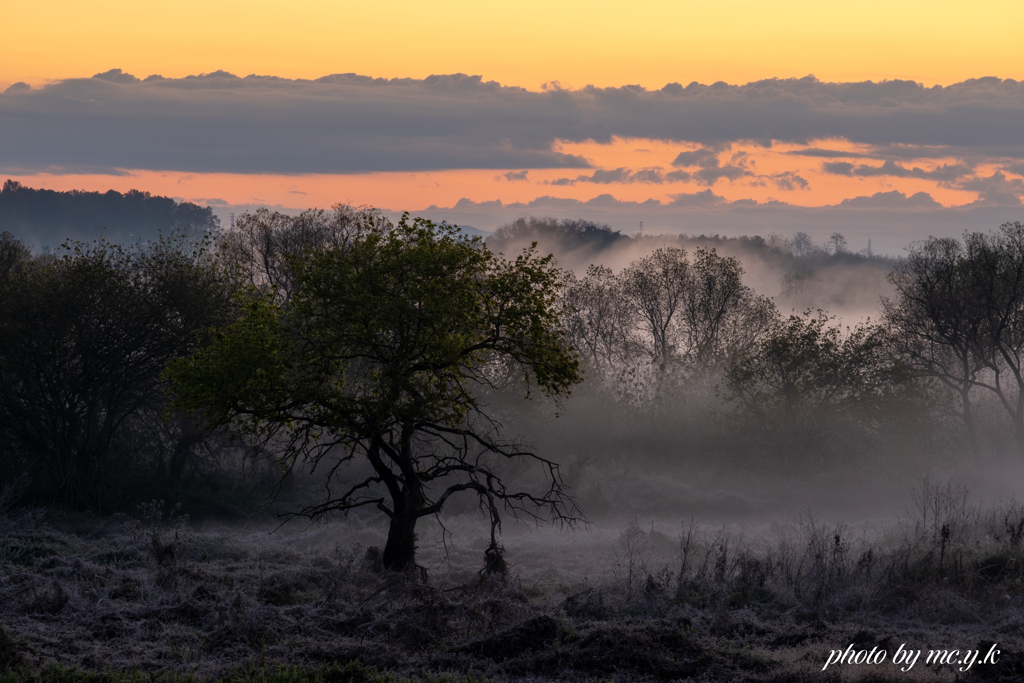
[885,119]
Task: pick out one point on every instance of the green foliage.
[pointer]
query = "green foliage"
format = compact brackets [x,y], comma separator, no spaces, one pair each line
[384,348]
[396,327]
[85,333]
[809,380]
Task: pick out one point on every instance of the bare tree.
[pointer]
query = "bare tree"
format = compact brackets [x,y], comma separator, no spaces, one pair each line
[257,252]
[656,286]
[935,321]
[996,263]
[599,321]
[838,243]
[959,318]
[720,314]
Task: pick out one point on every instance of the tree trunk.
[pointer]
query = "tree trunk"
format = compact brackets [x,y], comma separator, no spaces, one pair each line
[1018,433]
[76,473]
[179,459]
[189,436]
[400,549]
[972,434]
[407,499]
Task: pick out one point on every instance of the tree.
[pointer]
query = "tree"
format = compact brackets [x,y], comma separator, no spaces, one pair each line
[838,243]
[807,383]
[935,321]
[383,355]
[256,253]
[12,254]
[655,286]
[996,264]
[803,245]
[85,334]
[46,215]
[720,314]
[600,322]
[959,317]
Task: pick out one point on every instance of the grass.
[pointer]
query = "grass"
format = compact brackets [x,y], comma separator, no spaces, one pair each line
[153,598]
[353,672]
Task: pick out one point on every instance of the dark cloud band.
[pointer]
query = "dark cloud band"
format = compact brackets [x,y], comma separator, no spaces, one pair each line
[355,124]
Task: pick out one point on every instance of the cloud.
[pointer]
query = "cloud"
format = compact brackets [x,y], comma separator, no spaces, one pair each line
[651,176]
[710,169]
[890,220]
[705,158]
[838,168]
[944,173]
[353,124]
[116,76]
[622,176]
[515,176]
[789,181]
[891,200]
[20,86]
[546,203]
[257,124]
[605,177]
[703,199]
[826,153]
[996,189]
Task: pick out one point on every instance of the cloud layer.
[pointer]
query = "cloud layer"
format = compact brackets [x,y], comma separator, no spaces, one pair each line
[355,124]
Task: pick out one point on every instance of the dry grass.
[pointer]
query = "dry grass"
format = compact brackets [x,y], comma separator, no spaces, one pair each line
[152,594]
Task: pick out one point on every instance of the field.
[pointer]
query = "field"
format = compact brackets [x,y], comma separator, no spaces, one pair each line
[156,596]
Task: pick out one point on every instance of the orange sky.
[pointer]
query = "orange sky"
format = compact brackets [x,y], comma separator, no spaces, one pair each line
[413,191]
[527,43]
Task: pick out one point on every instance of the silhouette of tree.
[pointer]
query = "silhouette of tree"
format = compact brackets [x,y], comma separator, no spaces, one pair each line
[807,383]
[84,336]
[958,317]
[381,355]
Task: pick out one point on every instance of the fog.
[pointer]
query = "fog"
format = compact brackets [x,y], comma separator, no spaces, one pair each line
[690,456]
[759,465]
[811,275]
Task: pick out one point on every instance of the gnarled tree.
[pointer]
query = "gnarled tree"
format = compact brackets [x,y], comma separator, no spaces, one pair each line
[381,355]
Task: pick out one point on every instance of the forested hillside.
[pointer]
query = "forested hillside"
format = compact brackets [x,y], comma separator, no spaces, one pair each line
[45,218]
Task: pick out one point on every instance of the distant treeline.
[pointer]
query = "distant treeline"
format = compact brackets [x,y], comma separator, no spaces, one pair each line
[566,236]
[797,272]
[48,217]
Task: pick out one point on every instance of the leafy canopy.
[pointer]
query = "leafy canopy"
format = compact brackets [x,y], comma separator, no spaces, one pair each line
[385,348]
[396,327]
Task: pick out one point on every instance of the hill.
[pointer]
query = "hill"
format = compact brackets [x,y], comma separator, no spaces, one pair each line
[45,218]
